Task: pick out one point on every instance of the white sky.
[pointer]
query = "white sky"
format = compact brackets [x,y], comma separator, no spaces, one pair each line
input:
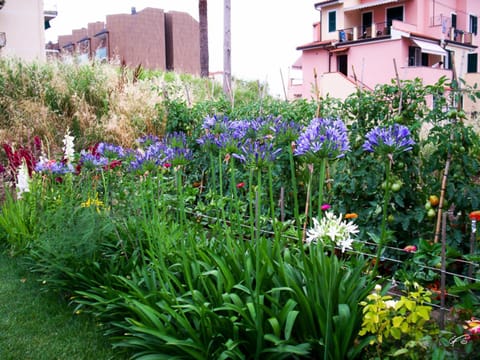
[265,33]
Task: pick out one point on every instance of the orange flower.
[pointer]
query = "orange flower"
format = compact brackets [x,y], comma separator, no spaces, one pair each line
[351,216]
[475,215]
[410,248]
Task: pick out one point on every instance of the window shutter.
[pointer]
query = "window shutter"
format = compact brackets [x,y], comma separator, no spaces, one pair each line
[472,63]
[332,21]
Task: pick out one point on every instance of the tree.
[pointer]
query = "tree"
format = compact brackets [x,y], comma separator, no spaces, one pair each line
[203,20]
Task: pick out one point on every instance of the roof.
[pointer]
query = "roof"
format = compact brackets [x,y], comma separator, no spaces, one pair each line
[104,31]
[369,4]
[297,64]
[327,3]
[315,44]
[83,39]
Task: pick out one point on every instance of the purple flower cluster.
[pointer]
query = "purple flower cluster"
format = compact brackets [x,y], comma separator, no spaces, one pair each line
[90,160]
[388,139]
[153,152]
[323,138]
[231,135]
[54,167]
[111,151]
[223,134]
[257,154]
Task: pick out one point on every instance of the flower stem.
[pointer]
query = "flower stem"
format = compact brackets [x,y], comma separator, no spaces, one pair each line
[272,202]
[250,204]
[383,228]
[295,192]
[323,166]
[258,203]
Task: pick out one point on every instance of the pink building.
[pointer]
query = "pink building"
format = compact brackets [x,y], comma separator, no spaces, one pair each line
[367,42]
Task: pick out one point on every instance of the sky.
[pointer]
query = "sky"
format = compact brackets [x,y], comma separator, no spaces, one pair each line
[264,33]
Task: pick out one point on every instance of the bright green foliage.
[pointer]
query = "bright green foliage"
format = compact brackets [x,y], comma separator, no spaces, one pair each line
[403,322]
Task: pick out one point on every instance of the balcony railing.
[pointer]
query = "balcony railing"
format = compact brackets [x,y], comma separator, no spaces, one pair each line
[460,36]
[363,32]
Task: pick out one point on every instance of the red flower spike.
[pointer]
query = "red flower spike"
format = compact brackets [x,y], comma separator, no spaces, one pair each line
[240,185]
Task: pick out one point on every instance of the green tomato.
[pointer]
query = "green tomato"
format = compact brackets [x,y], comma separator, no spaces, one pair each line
[431,213]
[396,186]
[428,206]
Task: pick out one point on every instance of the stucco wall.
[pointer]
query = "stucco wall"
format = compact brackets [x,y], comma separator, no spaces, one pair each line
[23,23]
[138,39]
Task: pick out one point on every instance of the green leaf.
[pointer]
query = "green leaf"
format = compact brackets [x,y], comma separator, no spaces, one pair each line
[291,317]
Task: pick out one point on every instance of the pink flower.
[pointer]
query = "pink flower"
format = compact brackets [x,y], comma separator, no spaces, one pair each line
[240,185]
[167,165]
[325,207]
[410,248]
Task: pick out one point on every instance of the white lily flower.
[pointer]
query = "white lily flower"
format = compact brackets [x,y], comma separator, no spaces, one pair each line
[68,147]
[23,179]
[332,230]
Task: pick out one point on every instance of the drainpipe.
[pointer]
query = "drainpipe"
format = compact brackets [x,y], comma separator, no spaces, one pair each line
[329,61]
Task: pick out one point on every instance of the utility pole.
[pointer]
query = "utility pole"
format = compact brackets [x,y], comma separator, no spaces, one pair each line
[203,24]
[227,50]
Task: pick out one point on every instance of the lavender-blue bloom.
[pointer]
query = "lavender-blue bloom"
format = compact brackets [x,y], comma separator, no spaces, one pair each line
[257,154]
[54,167]
[170,150]
[388,140]
[110,150]
[98,161]
[323,138]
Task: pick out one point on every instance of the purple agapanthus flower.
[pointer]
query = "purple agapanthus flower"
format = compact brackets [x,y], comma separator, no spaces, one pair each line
[111,151]
[323,138]
[90,160]
[388,139]
[53,167]
[170,150]
[257,154]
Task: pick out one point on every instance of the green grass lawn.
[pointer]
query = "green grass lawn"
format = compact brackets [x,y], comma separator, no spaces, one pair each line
[35,325]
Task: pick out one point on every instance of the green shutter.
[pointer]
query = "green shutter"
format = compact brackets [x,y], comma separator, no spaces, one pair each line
[473,24]
[472,63]
[332,21]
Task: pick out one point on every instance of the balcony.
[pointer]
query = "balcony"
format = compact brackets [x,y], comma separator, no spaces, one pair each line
[364,32]
[460,36]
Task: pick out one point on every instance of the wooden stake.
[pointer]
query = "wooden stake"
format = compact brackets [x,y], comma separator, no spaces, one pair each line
[400,102]
[455,87]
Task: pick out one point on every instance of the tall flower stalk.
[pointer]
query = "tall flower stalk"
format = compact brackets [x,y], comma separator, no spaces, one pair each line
[257,156]
[23,180]
[387,141]
[322,139]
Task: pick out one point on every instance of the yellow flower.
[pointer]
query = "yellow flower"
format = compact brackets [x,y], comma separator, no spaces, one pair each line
[93,202]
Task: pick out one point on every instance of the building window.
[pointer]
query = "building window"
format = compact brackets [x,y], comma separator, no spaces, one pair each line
[472,63]
[473,24]
[449,62]
[332,21]
[414,56]
[454,21]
